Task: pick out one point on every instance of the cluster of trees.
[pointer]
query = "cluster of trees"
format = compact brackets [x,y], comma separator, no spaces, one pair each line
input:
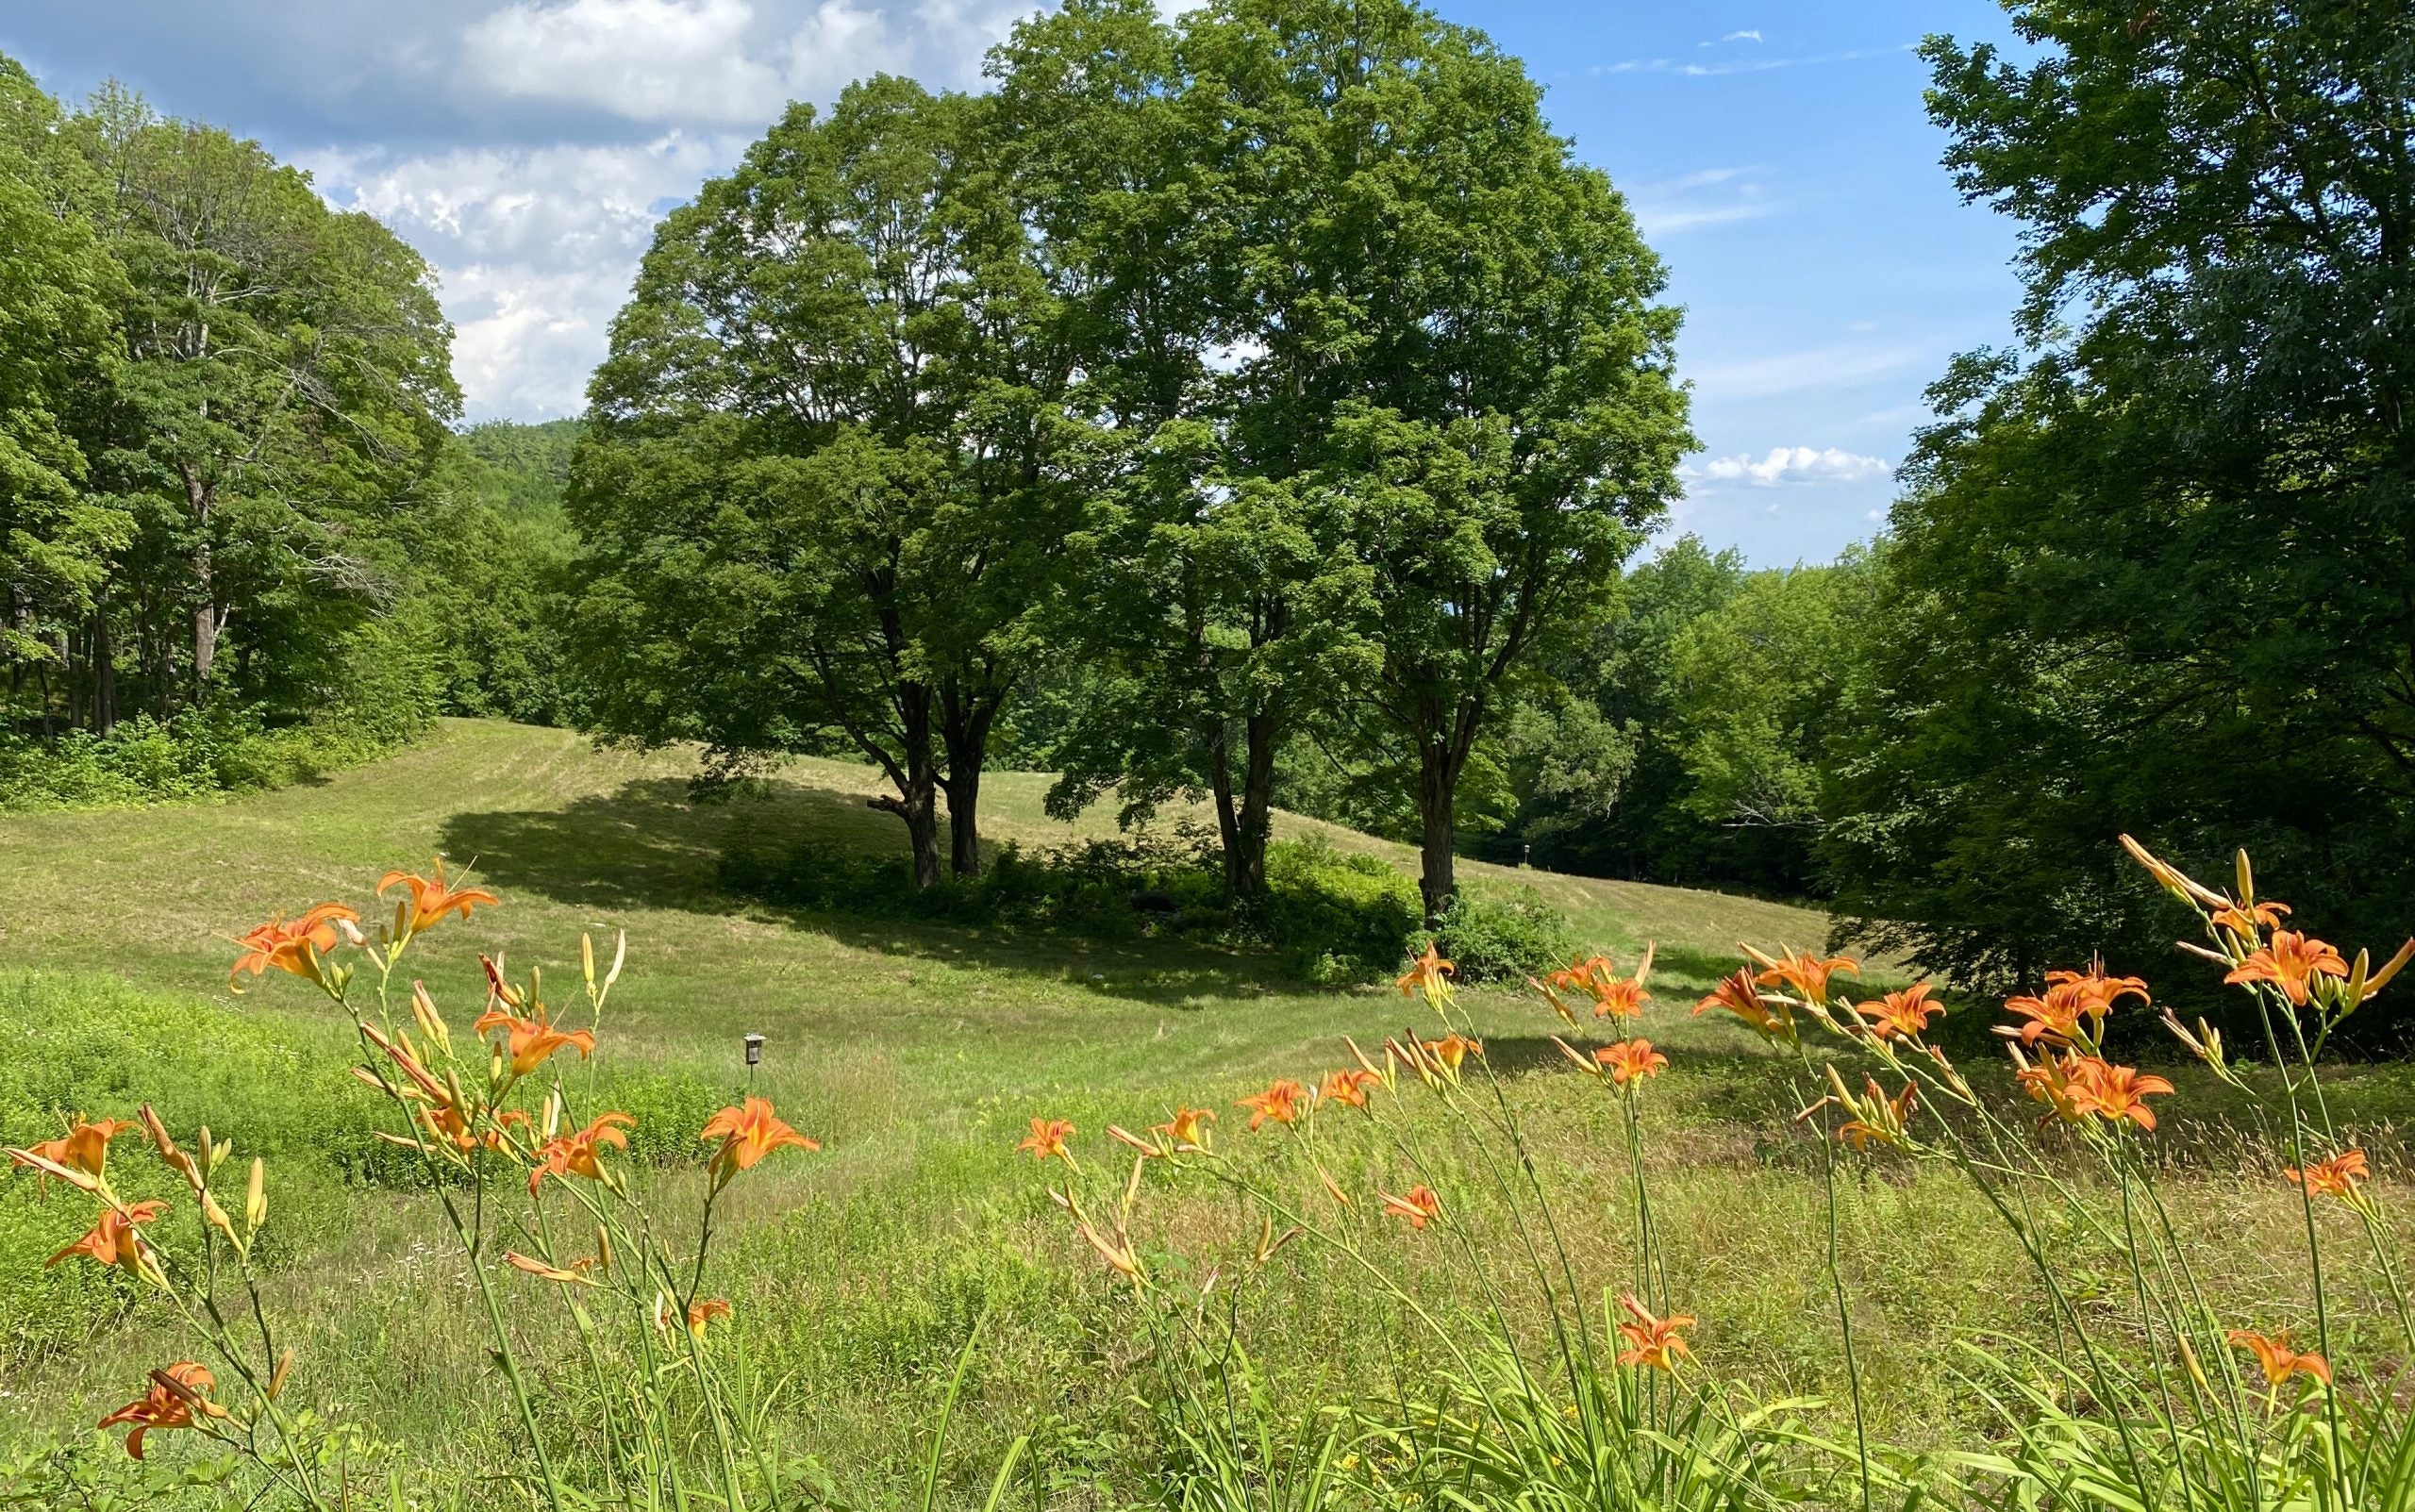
[227,476]
[1270,377]
[1264,406]
[2154,569]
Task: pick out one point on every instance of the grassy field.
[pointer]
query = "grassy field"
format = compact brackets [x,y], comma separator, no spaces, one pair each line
[916,1053]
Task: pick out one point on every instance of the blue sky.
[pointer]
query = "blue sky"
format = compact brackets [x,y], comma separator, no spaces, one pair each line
[1775,150]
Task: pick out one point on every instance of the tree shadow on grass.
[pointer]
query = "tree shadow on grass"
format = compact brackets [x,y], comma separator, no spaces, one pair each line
[652,844]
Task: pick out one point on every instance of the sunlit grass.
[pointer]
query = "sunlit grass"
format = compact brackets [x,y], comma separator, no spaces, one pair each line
[917,1053]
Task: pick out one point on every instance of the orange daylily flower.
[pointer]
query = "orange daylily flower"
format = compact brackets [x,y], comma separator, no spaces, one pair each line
[1655,1343]
[538,1269]
[177,1392]
[2334,1177]
[531,1042]
[2054,1018]
[432,901]
[2070,996]
[2097,992]
[2291,961]
[1631,1061]
[1804,972]
[291,945]
[83,1148]
[115,1240]
[2243,919]
[1048,1136]
[1421,1206]
[749,1133]
[1348,1088]
[2047,1082]
[1740,995]
[2278,1361]
[1187,1128]
[1451,1051]
[701,1314]
[581,1152]
[1905,1012]
[1426,975]
[2113,1091]
[1281,1103]
[1614,996]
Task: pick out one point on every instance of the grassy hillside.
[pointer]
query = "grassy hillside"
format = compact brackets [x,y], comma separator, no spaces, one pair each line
[577,839]
[916,1053]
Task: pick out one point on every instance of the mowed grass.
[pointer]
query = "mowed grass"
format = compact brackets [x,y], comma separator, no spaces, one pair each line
[917,1053]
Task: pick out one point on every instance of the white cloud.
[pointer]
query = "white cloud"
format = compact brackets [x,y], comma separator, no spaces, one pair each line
[1710,196]
[1743,65]
[536,248]
[537,245]
[716,61]
[1737,37]
[1827,367]
[645,59]
[1792,464]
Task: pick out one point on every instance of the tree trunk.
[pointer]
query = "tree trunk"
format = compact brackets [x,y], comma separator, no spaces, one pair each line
[1438,782]
[1229,823]
[1256,824]
[964,729]
[918,807]
[963,819]
[916,800]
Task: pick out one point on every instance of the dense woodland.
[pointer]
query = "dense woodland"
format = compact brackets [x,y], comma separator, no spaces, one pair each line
[1269,408]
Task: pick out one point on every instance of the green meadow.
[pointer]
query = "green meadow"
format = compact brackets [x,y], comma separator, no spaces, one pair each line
[917,1054]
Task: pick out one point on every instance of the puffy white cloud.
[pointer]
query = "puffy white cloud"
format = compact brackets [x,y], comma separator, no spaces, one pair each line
[721,61]
[1792,464]
[645,59]
[536,248]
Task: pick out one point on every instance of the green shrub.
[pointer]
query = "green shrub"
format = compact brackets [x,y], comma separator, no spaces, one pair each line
[196,754]
[1331,917]
[1493,936]
[1337,918]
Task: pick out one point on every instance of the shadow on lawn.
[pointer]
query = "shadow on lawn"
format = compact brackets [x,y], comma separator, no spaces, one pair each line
[652,845]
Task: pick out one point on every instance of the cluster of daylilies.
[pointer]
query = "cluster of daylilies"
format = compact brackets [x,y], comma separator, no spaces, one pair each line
[2055,1041]
[488,1114]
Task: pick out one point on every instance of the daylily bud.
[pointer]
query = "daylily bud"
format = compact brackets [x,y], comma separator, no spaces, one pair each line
[552,1122]
[603,1249]
[619,956]
[219,1220]
[586,962]
[255,1196]
[276,1377]
[431,1023]
[351,933]
[2246,879]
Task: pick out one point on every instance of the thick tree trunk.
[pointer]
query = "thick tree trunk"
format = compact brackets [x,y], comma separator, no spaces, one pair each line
[918,807]
[1438,782]
[1256,824]
[964,821]
[916,800]
[1245,817]
[964,726]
